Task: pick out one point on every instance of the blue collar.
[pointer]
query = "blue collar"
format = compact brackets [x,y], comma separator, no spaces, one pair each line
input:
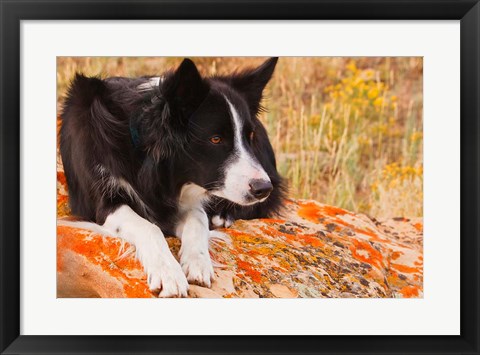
[134,134]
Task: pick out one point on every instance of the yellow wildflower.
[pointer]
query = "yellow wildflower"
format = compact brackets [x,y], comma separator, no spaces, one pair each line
[352,66]
[416,136]
[373,93]
[378,102]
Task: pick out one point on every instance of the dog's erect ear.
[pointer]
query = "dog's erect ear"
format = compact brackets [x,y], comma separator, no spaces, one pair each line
[163,126]
[186,89]
[252,82]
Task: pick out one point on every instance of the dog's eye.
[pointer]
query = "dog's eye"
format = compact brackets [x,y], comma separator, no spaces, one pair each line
[216,140]
[252,135]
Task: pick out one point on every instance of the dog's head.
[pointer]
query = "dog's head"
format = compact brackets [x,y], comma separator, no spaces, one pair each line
[226,148]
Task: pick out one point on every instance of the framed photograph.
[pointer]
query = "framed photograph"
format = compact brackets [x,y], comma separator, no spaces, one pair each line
[200,177]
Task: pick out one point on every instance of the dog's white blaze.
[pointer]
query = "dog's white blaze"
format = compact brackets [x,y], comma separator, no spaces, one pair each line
[162,270]
[241,168]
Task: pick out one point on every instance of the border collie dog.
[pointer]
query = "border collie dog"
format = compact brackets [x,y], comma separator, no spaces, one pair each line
[177,155]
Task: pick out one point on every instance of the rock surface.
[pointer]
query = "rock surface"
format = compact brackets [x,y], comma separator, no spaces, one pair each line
[315,250]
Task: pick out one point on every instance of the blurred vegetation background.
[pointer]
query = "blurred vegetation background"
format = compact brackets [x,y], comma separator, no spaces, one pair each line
[346,131]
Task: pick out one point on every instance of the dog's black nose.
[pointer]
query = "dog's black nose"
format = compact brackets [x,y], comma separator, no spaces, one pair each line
[260,188]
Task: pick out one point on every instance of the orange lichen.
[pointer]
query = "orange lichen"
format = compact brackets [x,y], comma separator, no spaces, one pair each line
[61,178]
[309,210]
[103,252]
[409,291]
[238,234]
[138,290]
[313,212]
[60,263]
[249,270]
[271,220]
[333,211]
[62,199]
[394,281]
[404,268]
[254,254]
[396,254]
[418,226]
[366,231]
[372,257]
[273,232]
[311,239]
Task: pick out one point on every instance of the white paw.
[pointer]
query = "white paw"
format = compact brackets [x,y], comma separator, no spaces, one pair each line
[220,222]
[166,276]
[151,249]
[198,267]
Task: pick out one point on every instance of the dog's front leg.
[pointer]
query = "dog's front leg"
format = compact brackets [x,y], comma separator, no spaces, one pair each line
[194,254]
[163,271]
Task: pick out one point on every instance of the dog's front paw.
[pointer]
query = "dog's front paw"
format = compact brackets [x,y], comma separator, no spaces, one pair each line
[198,268]
[168,277]
[220,222]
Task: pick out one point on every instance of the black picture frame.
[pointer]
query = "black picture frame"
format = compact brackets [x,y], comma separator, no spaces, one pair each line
[13,12]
